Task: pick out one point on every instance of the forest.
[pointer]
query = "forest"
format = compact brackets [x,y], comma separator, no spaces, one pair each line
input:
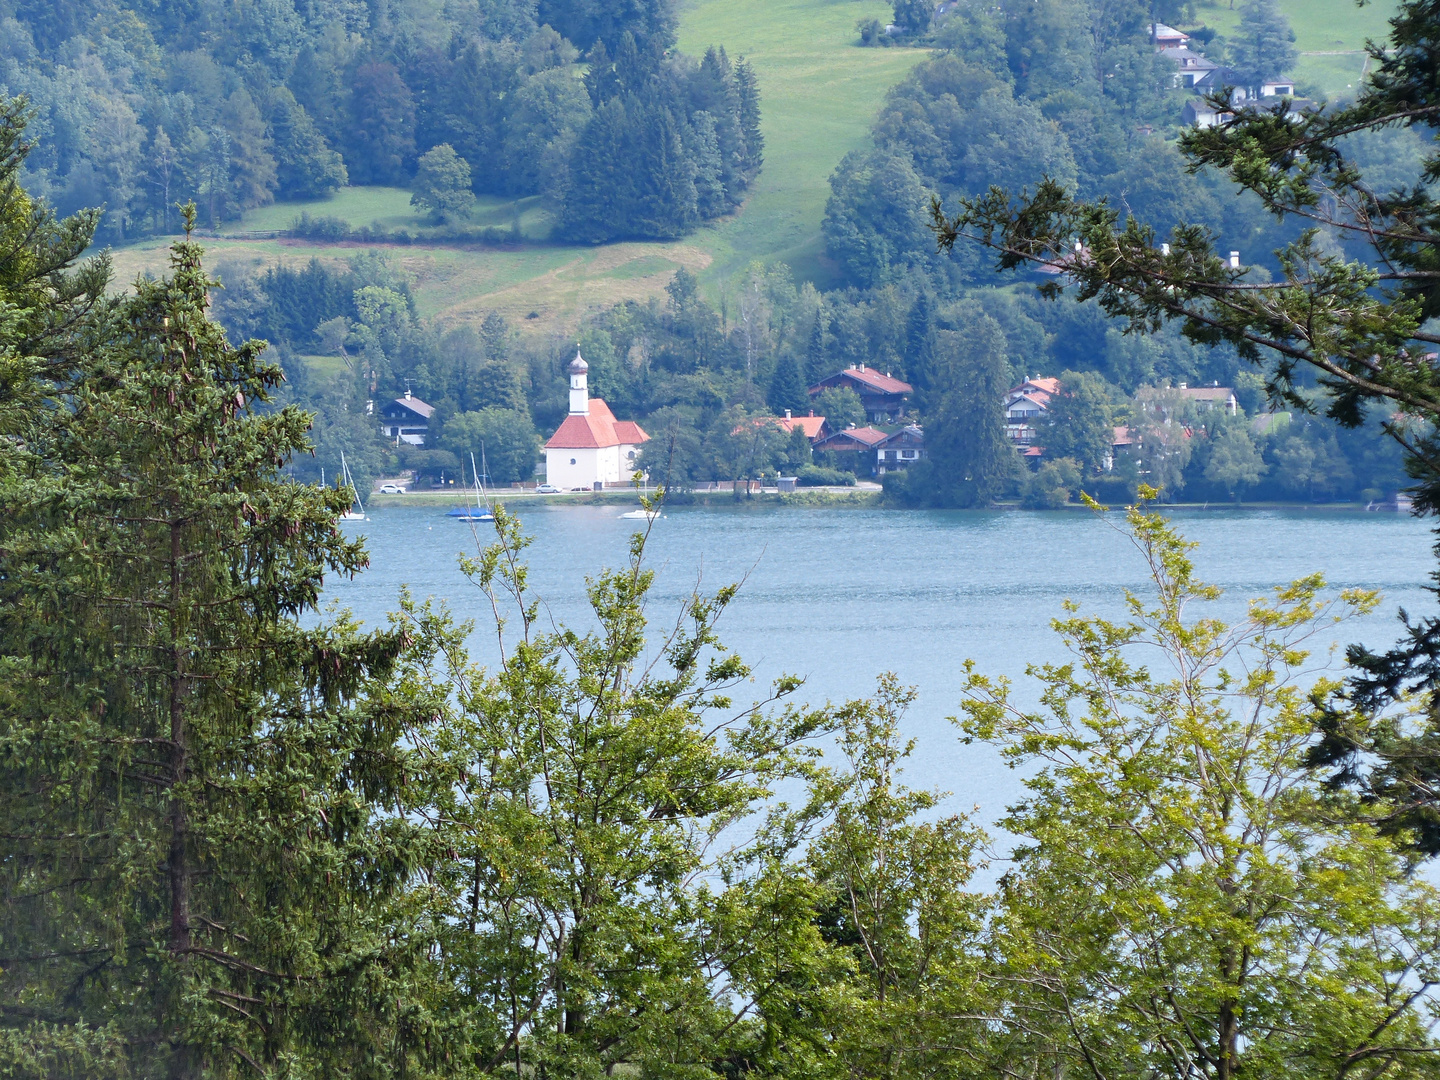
[138,109]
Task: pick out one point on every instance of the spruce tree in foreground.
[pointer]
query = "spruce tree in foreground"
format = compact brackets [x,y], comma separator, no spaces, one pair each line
[205,852]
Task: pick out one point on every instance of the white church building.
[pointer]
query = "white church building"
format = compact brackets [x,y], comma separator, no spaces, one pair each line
[591,447]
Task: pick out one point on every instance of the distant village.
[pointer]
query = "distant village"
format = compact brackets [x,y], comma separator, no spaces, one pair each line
[592,450]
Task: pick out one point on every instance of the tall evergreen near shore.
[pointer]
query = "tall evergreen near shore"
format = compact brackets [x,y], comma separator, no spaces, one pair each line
[197,879]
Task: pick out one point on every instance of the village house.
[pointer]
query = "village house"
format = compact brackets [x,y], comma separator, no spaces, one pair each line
[899,450]
[406,420]
[814,427]
[590,448]
[883,397]
[1200,113]
[1192,65]
[1025,405]
[1210,397]
[860,441]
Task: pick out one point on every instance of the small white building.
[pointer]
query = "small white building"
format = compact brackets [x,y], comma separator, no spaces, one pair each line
[591,447]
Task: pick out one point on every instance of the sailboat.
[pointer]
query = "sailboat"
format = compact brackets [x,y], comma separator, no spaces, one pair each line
[478,512]
[356,512]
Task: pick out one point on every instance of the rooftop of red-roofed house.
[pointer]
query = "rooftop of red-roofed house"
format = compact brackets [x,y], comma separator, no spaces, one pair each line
[813,426]
[879,382]
[852,438]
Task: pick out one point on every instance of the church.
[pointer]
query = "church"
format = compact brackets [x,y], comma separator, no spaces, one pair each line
[591,447]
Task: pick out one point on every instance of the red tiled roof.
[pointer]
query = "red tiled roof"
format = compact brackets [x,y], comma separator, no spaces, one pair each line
[1046,385]
[630,433]
[811,425]
[875,380]
[1122,437]
[865,436]
[598,428]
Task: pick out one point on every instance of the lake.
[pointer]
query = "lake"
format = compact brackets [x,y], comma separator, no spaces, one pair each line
[840,596]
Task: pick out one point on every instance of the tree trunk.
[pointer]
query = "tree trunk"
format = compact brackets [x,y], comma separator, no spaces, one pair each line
[178,862]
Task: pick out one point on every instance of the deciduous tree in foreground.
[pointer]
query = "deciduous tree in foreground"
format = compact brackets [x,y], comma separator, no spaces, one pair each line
[1188,900]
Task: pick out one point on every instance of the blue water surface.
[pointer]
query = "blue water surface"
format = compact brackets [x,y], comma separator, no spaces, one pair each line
[840,596]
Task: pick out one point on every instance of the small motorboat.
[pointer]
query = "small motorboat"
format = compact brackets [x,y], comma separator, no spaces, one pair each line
[641,515]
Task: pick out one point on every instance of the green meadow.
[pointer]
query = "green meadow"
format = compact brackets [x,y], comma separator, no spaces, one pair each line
[819,94]
[819,91]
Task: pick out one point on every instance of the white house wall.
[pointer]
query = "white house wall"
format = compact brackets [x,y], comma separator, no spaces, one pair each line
[608,465]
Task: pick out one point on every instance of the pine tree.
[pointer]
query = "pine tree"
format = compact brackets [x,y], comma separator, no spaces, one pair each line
[1264,45]
[748,92]
[919,344]
[817,360]
[197,868]
[787,387]
[602,188]
[970,455]
[600,77]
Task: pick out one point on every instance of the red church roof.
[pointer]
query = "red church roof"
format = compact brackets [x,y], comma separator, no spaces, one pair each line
[598,428]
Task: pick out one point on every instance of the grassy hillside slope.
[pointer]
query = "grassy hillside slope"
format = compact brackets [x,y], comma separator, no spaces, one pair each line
[820,92]
[819,95]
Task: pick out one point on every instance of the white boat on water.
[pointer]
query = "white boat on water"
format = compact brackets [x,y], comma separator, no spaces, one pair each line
[356,512]
[641,515]
[480,511]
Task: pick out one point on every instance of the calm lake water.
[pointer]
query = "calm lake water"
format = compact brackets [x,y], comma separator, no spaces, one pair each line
[840,596]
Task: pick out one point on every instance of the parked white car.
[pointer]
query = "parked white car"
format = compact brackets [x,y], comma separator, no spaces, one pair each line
[391,489]
[547,489]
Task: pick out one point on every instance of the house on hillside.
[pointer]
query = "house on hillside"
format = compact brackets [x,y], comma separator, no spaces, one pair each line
[1193,66]
[406,420]
[1200,113]
[814,427]
[1211,397]
[590,448]
[899,450]
[1026,405]
[883,397]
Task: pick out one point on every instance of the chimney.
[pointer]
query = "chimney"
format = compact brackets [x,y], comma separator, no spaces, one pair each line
[1234,260]
[1184,386]
[787,414]
[812,412]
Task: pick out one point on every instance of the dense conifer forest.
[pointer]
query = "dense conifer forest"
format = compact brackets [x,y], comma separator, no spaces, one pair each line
[235,106]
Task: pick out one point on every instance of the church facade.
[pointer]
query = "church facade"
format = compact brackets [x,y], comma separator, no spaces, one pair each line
[591,447]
